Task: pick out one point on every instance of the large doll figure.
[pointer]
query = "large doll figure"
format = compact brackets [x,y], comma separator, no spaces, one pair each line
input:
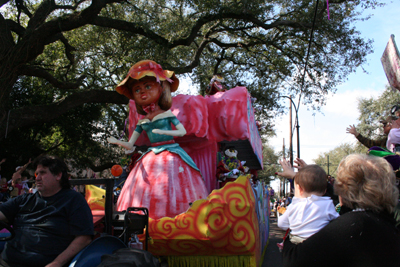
[165,179]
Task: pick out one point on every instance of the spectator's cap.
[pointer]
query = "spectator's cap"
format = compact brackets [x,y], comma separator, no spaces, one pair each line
[19,167]
[394,109]
[392,158]
[386,120]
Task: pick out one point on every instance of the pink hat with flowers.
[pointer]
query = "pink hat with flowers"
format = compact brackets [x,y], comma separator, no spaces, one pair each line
[147,68]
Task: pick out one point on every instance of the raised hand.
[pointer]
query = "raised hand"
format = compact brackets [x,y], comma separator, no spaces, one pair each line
[288,171]
[300,163]
[352,130]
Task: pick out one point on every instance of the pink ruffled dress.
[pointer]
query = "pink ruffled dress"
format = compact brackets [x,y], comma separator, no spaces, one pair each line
[165,179]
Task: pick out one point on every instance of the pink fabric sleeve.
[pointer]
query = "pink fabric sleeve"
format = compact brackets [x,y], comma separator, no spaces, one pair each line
[393,139]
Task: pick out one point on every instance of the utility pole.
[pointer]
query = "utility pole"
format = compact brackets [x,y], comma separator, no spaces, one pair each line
[328,164]
[290,132]
[283,180]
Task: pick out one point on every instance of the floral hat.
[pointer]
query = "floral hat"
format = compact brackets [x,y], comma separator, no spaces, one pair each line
[147,68]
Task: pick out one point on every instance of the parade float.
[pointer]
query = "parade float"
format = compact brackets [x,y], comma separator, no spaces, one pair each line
[227,226]
[230,226]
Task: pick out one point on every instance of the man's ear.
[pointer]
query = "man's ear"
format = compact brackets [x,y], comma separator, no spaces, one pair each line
[58,176]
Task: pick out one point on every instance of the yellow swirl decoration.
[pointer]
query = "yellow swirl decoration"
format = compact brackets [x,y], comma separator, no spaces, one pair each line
[224,224]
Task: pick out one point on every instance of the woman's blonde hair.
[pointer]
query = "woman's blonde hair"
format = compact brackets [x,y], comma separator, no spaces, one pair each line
[366,182]
[165,100]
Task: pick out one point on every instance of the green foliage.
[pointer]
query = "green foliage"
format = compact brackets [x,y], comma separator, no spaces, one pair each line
[271,164]
[330,160]
[372,110]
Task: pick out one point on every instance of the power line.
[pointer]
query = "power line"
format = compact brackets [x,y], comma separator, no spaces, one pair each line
[308,51]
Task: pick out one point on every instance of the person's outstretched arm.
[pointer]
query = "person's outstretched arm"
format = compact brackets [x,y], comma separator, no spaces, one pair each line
[352,130]
[21,170]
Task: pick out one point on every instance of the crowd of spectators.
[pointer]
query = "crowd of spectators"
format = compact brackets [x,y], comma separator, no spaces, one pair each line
[357,221]
[21,182]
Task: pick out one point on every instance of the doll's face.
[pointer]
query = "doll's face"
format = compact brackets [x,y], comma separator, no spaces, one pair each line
[146,91]
[231,153]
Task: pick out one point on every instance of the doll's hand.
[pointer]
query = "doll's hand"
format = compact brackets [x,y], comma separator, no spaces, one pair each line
[157,131]
[112,140]
[130,151]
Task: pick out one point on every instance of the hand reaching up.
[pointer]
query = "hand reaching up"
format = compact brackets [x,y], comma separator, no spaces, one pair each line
[300,163]
[288,171]
[352,130]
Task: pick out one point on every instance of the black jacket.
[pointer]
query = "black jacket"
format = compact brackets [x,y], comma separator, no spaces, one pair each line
[356,238]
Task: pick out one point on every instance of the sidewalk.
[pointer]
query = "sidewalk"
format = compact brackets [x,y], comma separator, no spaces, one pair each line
[272,257]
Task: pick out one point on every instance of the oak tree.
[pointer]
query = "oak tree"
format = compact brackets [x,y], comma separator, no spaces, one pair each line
[60,60]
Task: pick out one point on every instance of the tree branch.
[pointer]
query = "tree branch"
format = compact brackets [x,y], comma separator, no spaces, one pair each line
[68,48]
[40,16]
[3,2]
[34,115]
[76,19]
[41,73]
[129,27]
[137,29]
[6,39]
[25,10]
[15,27]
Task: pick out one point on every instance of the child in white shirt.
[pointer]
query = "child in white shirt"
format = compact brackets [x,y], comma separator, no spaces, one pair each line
[309,211]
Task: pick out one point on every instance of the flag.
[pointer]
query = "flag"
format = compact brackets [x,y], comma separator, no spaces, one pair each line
[391,63]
